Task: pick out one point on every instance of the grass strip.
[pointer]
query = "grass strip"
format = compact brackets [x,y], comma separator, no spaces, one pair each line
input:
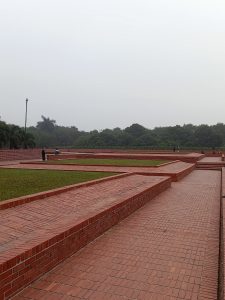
[19,182]
[110,162]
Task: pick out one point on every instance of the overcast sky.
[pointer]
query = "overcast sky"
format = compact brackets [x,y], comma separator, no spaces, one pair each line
[102,64]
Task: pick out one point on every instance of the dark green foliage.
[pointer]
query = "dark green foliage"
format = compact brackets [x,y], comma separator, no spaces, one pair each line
[46,124]
[4,134]
[13,137]
[48,134]
[136,130]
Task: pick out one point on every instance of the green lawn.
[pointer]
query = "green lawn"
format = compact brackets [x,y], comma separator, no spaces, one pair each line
[18,182]
[109,161]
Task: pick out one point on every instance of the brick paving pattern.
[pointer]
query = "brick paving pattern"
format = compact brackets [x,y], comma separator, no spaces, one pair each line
[34,222]
[166,250]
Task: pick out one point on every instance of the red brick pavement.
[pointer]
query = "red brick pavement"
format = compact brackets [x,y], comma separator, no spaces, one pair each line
[166,250]
[176,170]
[26,222]
[13,162]
[35,236]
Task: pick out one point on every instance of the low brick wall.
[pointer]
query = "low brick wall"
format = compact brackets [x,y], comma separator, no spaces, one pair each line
[19,154]
[18,272]
[174,176]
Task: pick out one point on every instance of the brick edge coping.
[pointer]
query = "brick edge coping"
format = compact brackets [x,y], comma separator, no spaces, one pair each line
[221,265]
[223,183]
[10,203]
[18,272]
[211,288]
[174,176]
[220,290]
[210,163]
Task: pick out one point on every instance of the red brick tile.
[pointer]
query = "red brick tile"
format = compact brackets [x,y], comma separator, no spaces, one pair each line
[166,250]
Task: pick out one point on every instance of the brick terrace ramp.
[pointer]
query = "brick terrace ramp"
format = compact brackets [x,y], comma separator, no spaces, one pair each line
[186,157]
[168,249]
[175,170]
[210,163]
[36,236]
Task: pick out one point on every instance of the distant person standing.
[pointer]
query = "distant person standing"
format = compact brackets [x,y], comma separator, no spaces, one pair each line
[43,154]
[56,151]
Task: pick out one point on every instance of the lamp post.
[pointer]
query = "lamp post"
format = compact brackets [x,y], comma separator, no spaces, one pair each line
[25,128]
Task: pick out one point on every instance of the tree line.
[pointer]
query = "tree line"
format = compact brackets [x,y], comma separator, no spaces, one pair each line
[48,134]
[14,137]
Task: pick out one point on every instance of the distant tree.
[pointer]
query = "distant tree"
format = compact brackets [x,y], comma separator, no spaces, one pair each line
[30,140]
[16,137]
[48,134]
[46,124]
[147,140]
[206,138]
[4,134]
[108,138]
[136,130]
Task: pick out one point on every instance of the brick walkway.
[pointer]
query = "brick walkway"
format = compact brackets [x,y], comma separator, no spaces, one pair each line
[32,223]
[166,250]
[14,162]
[176,170]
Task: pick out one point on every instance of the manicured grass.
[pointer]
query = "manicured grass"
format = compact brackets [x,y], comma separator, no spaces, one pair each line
[109,161]
[18,182]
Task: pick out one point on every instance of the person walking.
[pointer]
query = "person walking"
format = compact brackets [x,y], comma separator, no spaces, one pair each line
[43,154]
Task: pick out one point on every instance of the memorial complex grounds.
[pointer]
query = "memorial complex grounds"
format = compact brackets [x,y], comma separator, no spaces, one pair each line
[111,225]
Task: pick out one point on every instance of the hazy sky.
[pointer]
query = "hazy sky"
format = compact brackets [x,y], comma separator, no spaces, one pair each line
[101,64]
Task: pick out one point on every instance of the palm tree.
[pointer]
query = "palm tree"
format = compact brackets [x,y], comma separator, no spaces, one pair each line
[46,124]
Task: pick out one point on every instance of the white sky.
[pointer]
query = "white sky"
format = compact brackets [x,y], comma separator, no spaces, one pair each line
[101,64]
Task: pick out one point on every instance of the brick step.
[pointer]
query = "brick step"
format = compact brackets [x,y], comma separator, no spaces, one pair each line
[208,166]
[36,236]
[220,165]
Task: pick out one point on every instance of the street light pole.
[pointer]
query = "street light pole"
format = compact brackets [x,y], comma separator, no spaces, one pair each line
[25,128]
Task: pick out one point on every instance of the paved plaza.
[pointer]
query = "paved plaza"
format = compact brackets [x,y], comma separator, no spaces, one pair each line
[166,250]
[149,233]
